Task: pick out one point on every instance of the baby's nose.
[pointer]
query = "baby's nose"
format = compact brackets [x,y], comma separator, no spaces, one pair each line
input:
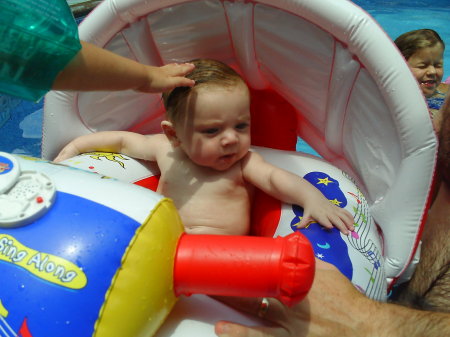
[229,137]
[431,70]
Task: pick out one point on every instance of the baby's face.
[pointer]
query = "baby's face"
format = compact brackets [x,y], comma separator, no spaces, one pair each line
[216,133]
[427,67]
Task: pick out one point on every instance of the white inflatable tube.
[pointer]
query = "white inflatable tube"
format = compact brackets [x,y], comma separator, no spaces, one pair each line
[358,256]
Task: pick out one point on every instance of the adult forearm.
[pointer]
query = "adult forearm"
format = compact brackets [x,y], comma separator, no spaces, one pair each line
[94,68]
[340,310]
[334,307]
[395,320]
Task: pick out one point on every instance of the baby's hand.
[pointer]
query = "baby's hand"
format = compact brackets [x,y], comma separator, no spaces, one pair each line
[328,215]
[67,152]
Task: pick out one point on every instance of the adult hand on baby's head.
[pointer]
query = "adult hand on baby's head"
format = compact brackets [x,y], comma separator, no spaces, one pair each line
[333,307]
[167,77]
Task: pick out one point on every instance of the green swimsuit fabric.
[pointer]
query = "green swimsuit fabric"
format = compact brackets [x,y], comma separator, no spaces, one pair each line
[38,39]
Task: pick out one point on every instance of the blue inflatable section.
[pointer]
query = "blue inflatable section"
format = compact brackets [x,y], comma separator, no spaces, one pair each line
[328,244]
[39,261]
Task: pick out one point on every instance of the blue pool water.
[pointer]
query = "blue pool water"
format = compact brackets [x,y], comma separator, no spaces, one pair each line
[397,17]
[21,121]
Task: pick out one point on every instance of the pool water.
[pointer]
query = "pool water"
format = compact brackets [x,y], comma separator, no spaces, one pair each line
[21,121]
[21,131]
[398,17]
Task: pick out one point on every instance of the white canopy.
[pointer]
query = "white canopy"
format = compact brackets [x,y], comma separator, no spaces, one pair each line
[357,103]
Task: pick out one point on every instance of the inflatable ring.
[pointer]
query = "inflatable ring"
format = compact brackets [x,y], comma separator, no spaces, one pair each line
[358,256]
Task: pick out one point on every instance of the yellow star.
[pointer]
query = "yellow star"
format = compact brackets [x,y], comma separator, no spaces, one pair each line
[336,202]
[324,181]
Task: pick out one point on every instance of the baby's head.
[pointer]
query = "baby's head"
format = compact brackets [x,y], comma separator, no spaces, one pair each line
[206,74]
[210,121]
[423,49]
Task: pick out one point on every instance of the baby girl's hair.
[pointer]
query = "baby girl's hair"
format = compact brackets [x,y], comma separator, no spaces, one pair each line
[408,43]
[207,72]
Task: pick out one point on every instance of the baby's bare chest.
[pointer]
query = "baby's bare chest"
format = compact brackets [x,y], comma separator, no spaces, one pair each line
[188,183]
[219,201]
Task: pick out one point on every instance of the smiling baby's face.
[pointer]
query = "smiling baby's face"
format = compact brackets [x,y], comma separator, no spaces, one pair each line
[427,67]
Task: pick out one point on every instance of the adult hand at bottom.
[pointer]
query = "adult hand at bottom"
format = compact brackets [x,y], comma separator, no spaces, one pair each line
[334,307]
[328,310]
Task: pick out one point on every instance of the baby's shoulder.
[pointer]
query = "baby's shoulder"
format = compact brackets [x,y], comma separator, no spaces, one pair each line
[443,87]
[158,138]
[252,156]
[157,146]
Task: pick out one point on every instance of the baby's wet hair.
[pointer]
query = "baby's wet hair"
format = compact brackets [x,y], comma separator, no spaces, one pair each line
[207,72]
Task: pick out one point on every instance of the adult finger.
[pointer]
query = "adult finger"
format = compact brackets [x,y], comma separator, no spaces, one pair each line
[229,329]
[182,69]
[268,309]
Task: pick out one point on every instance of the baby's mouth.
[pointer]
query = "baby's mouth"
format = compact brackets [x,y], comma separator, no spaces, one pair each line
[429,83]
[227,157]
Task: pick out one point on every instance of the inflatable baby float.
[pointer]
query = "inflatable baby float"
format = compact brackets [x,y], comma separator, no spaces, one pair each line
[77,257]
[320,70]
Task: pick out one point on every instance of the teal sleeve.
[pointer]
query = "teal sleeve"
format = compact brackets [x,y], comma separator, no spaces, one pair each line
[38,39]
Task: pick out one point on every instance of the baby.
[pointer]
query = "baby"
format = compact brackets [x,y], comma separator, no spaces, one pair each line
[207,167]
[423,49]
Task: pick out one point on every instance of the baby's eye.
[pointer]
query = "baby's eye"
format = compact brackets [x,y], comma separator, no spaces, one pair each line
[242,126]
[438,65]
[210,131]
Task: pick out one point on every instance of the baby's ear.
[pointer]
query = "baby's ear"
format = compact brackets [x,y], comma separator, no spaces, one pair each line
[171,134]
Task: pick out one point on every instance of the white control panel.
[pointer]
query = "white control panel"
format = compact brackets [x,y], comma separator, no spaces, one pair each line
[24,195]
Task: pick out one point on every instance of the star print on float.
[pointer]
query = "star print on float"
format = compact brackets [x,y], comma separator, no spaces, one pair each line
[328,244]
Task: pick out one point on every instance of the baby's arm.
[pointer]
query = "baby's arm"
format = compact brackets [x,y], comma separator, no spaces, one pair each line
[132,144]
[293,189]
